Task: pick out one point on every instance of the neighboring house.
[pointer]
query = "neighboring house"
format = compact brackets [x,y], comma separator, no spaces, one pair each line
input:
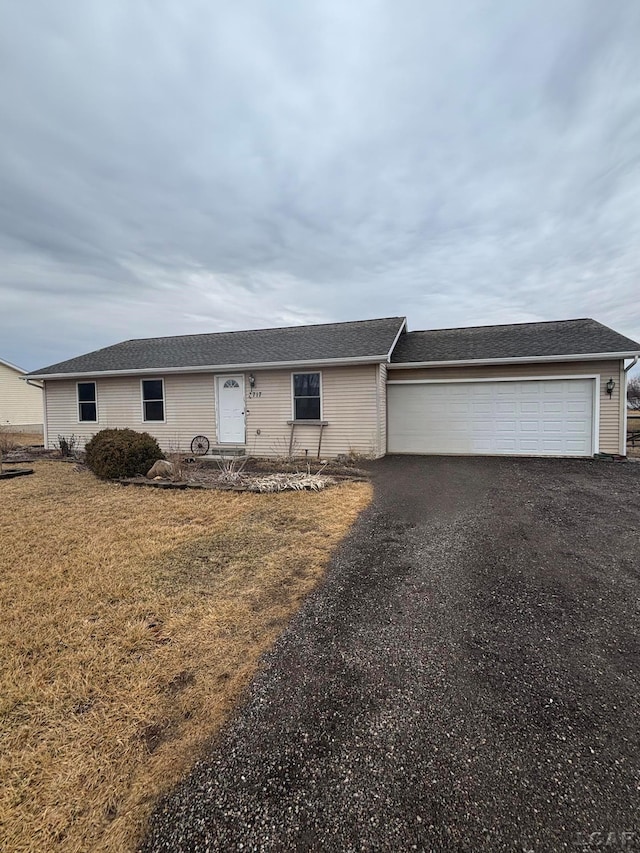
[20,402]
[369,387]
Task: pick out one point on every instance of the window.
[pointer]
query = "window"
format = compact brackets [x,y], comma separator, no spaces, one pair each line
[87,407]
[153,399]
[231,383]
[306,396]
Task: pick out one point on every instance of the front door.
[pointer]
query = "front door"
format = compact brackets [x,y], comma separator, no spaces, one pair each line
[231,409]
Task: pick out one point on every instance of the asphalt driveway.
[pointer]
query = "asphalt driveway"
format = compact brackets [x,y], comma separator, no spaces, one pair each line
[467,678]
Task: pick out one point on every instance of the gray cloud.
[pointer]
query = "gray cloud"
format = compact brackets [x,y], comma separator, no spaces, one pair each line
[182,167]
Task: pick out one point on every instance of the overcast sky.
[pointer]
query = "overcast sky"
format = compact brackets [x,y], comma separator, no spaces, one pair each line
[185,166]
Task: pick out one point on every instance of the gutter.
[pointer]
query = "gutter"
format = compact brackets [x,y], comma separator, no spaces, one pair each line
[601,356]
[215,368]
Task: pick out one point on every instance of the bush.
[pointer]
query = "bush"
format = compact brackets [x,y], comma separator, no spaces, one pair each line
[67,446]
[115,453]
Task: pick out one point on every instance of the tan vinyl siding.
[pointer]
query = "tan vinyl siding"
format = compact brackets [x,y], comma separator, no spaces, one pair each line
[612,422]
[349,406]
[20,404]
[353,405]
[189,409]
[382,411]
[610,425]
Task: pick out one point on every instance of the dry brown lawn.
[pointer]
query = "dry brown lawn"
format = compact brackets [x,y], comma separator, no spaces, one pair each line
[633,423]
[19,439]
[132,619]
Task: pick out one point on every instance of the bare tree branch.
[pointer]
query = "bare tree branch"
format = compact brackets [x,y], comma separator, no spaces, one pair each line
[633,393]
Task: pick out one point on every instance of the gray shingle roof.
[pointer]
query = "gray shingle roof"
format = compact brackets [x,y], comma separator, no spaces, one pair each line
[521,340]
[365,339]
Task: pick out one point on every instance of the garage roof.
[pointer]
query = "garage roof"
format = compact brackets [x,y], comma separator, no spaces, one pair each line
[514,341]
[365,340]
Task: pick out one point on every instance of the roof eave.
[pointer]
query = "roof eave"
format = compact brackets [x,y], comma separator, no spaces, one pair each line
[530,359]
[214,368]
[12,366]
[403,326]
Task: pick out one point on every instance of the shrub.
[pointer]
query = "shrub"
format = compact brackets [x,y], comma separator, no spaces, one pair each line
[114,453]
[67,446]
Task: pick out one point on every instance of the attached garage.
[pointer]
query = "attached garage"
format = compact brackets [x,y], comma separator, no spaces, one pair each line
[524,389]
[528,417]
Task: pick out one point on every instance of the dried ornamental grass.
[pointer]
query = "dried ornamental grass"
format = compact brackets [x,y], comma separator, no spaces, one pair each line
[289,482]
[132,620]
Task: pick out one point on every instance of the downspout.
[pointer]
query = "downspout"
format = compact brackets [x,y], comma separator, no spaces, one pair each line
[378,411]
[623,448]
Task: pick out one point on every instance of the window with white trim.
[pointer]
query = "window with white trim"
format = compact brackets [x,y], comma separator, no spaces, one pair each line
[153,399]
[306,397]
[87,402]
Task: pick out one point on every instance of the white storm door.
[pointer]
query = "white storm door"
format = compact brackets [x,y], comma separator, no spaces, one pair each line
[231,424]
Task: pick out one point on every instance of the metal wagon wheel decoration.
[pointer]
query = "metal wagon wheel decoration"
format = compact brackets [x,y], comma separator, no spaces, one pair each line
[200,445]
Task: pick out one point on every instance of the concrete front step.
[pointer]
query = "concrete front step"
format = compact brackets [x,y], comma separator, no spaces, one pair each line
[218,450]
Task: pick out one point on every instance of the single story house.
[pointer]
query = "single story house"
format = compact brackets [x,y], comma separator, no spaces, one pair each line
[20,402]
[369,387]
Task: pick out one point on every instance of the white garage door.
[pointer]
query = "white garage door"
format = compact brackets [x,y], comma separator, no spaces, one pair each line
[527,417]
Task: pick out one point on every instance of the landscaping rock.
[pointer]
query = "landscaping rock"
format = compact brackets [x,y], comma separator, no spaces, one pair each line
[161,468]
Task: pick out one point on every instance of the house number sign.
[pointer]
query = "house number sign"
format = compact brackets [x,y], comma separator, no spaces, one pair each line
[254,394]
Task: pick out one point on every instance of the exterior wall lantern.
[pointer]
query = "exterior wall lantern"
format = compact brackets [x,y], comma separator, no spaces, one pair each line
[610,386]
[252,381]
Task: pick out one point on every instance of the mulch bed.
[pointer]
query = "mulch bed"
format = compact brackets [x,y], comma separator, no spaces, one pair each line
[333,467]
[208,474]
[33,454]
